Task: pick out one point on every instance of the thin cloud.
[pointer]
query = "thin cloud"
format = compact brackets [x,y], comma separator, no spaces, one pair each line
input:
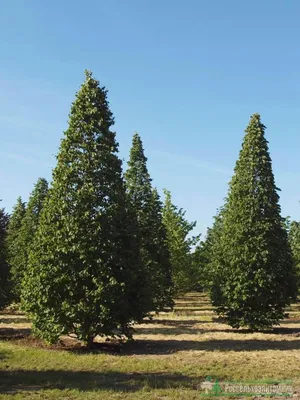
[195,162]
[35,129]
[23,159]
[19,157]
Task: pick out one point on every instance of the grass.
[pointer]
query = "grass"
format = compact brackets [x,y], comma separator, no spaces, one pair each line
[170,357]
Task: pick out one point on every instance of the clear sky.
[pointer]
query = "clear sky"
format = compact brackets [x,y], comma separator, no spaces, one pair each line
[186,75]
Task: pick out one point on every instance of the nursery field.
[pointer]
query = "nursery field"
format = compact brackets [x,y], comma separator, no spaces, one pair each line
[170,358]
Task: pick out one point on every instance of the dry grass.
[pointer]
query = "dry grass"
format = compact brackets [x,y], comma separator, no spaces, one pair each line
[170,356]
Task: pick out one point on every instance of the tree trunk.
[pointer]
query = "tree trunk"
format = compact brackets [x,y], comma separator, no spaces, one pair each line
[90,342]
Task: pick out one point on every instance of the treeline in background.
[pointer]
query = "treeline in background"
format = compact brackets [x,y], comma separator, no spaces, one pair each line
[98,250]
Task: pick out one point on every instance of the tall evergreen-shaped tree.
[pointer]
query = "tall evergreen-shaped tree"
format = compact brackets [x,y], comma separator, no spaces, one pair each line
[208,253]
[185,272]
[83,270]
[294,240]
[148,208]
[257,276]
[159,256]
[5,286]
[28,229]
[14,253]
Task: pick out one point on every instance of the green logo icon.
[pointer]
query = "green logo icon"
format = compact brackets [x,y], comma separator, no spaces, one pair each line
[211,388]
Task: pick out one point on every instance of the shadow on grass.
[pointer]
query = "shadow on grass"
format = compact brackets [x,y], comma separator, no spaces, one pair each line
[24,380]
[177,322]
[175,330]
[273,331]
[285,331]
[186,329]
[173,346]
[14,334]
[191,310]
[12,320]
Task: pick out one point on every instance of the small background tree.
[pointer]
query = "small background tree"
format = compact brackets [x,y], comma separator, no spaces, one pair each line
[146,203]
[207,254]
[24,235]
[14,254]
[185,272]
[5,286]
[294,240]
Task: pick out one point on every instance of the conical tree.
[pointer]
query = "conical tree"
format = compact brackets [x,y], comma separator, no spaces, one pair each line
[257,279]
[13,243]
[28,229]
[294,240]
[5,287]
[159,255]
[207,255]
[84,265]
[148,208]
[185,272]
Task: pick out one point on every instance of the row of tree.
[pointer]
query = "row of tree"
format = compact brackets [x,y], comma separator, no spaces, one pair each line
[97,250]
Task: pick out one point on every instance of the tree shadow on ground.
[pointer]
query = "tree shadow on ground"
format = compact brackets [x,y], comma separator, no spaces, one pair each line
[24,380]
[188,329]
[179,330]
[281,330]
[272,331]
[176,322]
[173,346]
[14,334]
[179,309]
[14,320]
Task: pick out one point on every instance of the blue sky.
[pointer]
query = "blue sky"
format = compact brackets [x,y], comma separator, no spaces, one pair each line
[185,75]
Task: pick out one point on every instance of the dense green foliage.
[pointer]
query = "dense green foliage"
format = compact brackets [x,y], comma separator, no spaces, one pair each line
[22,230]
[253,270]
[98,252]
[185,272]
[5,287]
[294,240]
[206,255]
[13,242]
[83,270]
[153,242]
